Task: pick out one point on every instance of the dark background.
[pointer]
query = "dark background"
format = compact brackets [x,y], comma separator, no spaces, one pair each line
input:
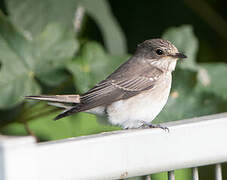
[143,19]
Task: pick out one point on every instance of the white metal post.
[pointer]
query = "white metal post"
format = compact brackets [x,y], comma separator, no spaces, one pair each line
[17,158]
[218,172]
[195,173]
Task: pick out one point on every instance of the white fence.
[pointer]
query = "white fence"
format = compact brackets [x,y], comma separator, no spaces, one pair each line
[120,154]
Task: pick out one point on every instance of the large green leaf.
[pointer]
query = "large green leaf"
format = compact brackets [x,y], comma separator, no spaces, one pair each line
[212,78]
[52,47]
[188,99]
[16,78]
[33,16]
[92,66]
[23,60]
[184,39]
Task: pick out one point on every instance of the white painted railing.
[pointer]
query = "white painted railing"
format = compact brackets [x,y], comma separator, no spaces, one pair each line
[120,154]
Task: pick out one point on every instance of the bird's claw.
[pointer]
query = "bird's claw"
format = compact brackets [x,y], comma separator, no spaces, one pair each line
[148,125]
[159,126]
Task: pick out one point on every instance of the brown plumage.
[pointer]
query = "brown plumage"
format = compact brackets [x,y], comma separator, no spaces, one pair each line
[116,88]
[139,74]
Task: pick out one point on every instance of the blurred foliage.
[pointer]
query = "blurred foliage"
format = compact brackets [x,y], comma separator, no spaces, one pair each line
[43,12]
[92,66]
[41,51]
[23,60]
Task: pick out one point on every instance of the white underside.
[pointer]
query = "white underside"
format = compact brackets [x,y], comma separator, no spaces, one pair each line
[131,113]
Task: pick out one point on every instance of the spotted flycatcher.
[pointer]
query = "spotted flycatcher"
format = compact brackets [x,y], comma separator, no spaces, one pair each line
[134,94]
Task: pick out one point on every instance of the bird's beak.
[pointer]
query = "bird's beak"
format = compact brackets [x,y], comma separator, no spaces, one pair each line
[178,55]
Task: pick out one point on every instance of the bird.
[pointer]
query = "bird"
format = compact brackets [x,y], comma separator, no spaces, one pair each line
[134,94]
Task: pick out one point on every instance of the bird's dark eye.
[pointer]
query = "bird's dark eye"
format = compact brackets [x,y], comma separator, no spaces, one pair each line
[159,52]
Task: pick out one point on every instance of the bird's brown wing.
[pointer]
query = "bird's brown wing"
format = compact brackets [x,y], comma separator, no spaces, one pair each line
[111,90]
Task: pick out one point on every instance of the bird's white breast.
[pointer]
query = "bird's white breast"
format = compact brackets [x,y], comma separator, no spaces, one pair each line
[143,107]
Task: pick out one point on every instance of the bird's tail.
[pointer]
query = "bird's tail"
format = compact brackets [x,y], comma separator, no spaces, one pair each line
[66,102]
[57,98]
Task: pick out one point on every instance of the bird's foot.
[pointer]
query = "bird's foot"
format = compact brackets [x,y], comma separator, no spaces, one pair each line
[146,125]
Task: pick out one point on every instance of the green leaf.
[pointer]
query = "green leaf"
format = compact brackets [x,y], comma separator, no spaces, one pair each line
[53,77]
[188,99]
[51,49]
[16,79]
[22,60]
[184,39]
[92,66]
[33,16]
[114,38]
[212,77]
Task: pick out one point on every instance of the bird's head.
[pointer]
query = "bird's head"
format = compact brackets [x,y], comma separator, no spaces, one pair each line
[160,53]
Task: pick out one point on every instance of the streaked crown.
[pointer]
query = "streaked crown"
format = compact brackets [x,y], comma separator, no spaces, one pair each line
[158,48]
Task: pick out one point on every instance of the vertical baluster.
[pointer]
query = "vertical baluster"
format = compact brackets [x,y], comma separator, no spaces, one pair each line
[218,172]
[195,173]
[171,175]
[147,177]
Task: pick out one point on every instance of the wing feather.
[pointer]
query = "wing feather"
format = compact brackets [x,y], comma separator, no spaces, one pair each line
[111,90]
[116,87]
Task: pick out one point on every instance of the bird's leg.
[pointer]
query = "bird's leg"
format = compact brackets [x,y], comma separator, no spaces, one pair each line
[149,125]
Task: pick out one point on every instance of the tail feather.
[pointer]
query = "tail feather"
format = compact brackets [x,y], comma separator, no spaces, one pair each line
[66,106]
[68,112]
[57,98]
[69,103]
